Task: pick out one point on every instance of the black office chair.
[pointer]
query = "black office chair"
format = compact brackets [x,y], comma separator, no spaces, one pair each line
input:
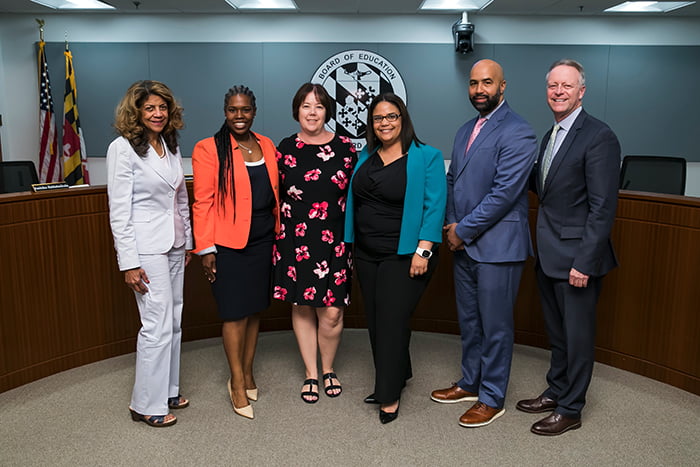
[17,176]
[657,174]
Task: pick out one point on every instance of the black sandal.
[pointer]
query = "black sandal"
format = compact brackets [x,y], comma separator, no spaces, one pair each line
[310,393]
[331,387]
[178,402]
[157,421]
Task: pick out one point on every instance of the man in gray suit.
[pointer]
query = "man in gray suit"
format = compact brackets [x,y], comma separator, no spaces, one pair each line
[576,178]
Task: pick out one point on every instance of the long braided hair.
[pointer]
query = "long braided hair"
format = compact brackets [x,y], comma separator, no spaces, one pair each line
[224,151]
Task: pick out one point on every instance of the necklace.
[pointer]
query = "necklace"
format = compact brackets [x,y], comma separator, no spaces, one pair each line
[250,151]
[155,145]
[382,153]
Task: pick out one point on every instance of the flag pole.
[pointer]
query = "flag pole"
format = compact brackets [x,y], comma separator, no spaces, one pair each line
[49,159]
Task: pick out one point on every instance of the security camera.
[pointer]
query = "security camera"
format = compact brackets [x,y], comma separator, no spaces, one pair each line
[462,31]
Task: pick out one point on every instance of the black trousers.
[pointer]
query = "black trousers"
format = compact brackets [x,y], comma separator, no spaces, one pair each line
[390,297]
[570,319]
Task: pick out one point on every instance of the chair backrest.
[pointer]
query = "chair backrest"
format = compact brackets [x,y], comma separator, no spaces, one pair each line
[17,176]
[657,174]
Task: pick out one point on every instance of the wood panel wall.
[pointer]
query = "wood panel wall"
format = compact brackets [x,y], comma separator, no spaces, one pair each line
[63,302]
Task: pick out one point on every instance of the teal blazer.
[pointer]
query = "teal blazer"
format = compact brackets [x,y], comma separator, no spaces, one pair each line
[424,202]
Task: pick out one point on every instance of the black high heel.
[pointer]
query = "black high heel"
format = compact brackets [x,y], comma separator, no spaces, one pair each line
[388,417]
[371,399]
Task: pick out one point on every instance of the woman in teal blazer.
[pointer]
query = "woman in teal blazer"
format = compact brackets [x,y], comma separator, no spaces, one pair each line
[394,217]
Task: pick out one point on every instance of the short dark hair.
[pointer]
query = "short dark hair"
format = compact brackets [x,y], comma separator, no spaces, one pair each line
[408,134]
[320,93]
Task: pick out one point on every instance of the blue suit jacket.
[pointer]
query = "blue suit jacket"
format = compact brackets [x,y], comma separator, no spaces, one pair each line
[487,187]
[424,202]
[579,200]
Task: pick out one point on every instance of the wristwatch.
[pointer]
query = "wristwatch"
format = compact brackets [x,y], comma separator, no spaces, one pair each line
[423,253]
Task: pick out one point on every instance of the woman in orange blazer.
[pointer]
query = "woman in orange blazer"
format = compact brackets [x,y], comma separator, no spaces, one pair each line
[236,217]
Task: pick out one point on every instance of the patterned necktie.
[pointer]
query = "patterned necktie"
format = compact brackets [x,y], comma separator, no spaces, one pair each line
[475,132]
[549,153]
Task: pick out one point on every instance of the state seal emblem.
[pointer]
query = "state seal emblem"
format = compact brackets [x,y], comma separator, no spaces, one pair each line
[352,79]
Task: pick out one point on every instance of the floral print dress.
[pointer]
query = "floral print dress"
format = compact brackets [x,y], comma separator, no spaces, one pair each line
[312,264]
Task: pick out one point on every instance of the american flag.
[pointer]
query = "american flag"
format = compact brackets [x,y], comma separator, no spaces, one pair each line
[49,167]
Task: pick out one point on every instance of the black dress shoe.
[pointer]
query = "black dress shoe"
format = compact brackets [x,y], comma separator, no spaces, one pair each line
[371,400]
[555,424]
[537,405]
[388,417]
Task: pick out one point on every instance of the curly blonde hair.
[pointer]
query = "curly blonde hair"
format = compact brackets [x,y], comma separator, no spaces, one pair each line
[127,117]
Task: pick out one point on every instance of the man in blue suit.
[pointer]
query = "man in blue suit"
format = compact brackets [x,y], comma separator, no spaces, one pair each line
[487,228]
[576,180]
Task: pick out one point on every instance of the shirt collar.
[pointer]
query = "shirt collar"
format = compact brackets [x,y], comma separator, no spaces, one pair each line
[569,120]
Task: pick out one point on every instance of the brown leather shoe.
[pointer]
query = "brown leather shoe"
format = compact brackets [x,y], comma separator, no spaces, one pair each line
[555,424]
[479,415]
[537,405]
[452,395]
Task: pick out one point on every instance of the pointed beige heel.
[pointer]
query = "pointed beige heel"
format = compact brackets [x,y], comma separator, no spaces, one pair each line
[246,411]
[252,394]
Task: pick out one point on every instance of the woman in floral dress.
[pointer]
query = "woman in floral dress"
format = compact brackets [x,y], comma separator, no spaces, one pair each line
[312,264]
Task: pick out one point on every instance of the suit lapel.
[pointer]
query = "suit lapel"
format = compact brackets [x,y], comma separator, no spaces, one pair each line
[563,151]
[483,135]
[461,161]
[164,170]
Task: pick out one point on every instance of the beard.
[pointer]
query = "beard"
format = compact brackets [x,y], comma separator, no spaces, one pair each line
[487,106]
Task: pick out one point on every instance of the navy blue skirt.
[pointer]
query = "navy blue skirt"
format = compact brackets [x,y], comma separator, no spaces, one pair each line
[242,285]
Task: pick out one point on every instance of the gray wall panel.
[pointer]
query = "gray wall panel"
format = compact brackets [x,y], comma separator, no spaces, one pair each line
[103,73]
[200,75]
[654,100]
[645,93]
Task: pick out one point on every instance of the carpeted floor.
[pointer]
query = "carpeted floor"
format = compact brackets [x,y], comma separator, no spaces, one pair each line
[80,417]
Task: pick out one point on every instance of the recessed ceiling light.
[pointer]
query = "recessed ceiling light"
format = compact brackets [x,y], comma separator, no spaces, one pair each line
[454,5]
[74,4]
[263,4]
[647,7]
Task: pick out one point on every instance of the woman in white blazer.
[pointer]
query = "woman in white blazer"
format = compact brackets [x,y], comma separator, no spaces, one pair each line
[150,220]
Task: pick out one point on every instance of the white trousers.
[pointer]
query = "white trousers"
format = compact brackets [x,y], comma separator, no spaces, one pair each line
[158,342]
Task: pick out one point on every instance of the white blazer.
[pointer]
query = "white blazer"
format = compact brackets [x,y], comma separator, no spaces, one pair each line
[148,207]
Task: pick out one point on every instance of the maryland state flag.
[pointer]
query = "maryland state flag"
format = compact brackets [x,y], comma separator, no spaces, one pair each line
[49,169]
[75,171]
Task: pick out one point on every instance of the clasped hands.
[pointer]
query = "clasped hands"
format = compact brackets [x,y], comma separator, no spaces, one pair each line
[454,243]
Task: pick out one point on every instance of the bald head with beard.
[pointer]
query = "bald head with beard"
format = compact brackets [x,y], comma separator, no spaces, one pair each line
[486,86]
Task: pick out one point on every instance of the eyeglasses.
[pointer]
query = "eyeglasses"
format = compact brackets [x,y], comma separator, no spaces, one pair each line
[392,117]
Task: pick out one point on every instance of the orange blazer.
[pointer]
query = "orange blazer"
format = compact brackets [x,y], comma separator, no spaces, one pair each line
[212,224]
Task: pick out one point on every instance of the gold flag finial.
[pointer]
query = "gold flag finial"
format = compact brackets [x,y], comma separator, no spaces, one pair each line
[41,23]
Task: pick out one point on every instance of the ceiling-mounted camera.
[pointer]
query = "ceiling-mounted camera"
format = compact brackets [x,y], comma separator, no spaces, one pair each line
[463,31]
